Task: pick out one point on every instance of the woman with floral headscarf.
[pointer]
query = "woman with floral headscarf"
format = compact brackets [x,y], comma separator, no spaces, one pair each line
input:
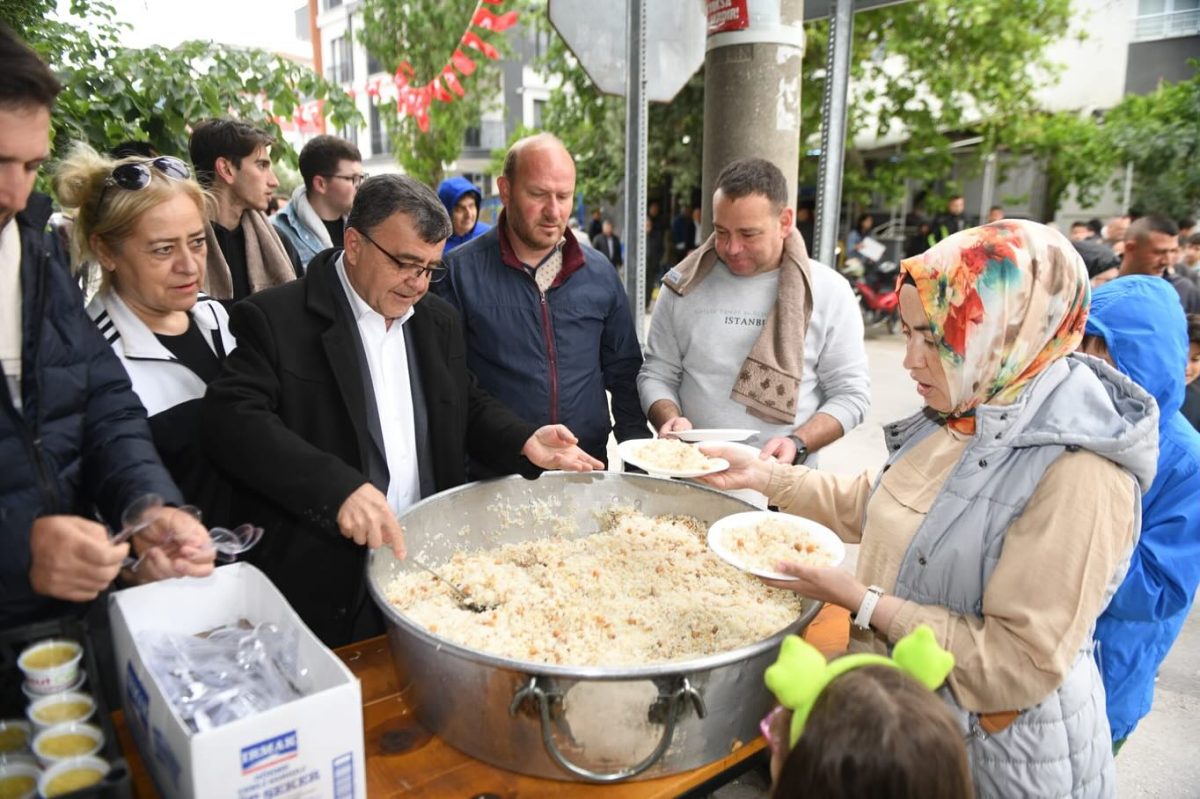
[1007,510]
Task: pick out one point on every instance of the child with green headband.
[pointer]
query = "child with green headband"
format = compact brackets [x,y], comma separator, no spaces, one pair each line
[865,725]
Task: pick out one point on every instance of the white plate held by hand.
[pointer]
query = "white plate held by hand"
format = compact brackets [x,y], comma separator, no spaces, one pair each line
[714,434]
[757,540]
[630,452]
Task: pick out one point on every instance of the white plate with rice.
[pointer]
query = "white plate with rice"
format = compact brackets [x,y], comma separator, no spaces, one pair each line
[756,541]
[666,457]
[714,434]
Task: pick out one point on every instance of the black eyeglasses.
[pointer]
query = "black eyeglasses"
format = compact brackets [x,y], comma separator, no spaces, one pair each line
[434,272]
[355,180]
[136,175]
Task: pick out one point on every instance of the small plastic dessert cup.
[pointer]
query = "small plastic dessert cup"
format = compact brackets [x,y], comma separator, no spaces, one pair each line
[18,779]
[51,666]
[55,709]
[67,741]
[73,774]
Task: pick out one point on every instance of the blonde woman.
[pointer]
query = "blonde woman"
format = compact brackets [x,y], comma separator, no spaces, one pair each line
[141,220]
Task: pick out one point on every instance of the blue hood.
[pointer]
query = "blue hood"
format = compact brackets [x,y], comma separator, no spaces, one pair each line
[452,190]
[1142,322]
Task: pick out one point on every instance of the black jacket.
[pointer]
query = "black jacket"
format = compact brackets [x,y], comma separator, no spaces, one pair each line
[288,420]
[80,441]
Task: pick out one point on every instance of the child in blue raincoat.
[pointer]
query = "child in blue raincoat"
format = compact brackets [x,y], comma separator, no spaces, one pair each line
[1137,323]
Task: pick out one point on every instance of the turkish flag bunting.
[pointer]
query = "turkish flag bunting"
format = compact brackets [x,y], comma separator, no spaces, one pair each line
[490,21]
[462,62]
[471,39]
[414,101]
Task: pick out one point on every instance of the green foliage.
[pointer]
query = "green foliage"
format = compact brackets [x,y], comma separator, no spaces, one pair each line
[1156,132]
[1071,152]
[425,33]
[1159,133]
[115,93]
[922,72]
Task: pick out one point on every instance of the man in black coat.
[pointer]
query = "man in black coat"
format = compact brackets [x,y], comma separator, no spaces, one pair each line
[609,244]
[348,399]
[73,435]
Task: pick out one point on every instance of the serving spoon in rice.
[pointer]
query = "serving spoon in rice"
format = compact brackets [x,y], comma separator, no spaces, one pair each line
[464,599]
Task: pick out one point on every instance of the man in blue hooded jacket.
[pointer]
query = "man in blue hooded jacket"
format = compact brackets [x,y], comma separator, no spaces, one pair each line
[462,201]
[1137,324]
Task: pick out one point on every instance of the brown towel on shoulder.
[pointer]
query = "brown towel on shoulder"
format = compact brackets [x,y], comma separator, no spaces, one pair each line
[267,262]
[769,380]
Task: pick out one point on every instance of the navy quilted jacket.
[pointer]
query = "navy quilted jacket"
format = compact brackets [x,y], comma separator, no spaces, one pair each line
[550,358]
[80,440]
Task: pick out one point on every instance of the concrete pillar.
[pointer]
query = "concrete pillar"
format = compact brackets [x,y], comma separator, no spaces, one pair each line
[752,95]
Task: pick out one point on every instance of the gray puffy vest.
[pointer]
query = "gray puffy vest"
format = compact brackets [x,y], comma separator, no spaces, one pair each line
[1061,746]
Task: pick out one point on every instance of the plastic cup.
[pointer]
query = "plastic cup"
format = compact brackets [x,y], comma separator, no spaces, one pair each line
[19,780]
[55,709]
[33,696]
[72,774]
[14,735]
[50,666]
[67,741]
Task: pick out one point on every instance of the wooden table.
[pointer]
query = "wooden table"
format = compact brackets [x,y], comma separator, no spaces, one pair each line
[403,759]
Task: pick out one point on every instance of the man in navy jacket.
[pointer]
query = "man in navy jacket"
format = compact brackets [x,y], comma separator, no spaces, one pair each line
[73,435]
[547,321]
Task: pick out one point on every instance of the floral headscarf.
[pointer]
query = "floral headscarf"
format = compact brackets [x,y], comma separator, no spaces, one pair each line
[1004,301]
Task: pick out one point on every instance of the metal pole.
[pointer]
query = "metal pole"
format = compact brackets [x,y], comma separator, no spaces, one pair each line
[635,163]
[833,129]
[1127,194]
[752,95]
[988,193]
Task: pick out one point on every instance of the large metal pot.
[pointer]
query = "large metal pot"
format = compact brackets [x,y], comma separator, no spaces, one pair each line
[562,722]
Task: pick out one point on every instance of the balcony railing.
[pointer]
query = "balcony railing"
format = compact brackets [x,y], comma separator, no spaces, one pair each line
[1168,25]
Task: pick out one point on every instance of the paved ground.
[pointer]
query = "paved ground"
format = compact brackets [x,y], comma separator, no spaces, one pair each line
[1159,757]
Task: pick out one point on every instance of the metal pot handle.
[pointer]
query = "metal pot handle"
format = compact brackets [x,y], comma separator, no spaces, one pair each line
[685,691]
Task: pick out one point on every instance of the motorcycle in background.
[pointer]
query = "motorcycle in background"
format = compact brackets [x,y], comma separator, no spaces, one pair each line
[874,283]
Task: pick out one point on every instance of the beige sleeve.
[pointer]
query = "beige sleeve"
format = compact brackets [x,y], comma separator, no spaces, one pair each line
[1045,592]
[836,501]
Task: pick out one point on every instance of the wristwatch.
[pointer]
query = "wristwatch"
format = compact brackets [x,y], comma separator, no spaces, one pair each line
[862,619]
[801,450]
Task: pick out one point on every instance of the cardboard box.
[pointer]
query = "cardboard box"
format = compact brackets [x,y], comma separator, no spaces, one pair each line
[310,748]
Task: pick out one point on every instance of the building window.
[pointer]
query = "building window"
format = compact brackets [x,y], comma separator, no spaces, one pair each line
[1162,19]
[332,4]
[349,134]
[381,143]
[472,137]
[493,137]
[539,111]
[341,60]
[374,65]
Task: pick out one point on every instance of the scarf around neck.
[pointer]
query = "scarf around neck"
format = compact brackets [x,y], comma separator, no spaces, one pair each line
[768,383]
[267,262]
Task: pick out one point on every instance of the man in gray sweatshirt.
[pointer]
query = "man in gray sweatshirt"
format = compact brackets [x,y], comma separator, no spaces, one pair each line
[750,333]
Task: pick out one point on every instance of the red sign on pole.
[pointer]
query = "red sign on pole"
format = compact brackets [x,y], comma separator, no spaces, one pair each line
[726,15]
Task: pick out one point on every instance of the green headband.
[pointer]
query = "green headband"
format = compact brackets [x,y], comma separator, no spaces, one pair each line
[801,672]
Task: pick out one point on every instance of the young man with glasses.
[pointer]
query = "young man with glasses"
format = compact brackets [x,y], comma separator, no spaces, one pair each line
[245,253]
[348,399]
[73,436]
[315,218]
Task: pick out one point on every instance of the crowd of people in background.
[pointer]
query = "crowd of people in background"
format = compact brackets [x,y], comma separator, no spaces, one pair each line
[321,369]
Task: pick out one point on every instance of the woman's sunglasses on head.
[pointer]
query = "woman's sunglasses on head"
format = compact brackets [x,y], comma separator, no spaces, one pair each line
[136,175]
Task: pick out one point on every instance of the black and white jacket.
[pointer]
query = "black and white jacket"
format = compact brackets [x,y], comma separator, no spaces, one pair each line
[172,394]
[159,379]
